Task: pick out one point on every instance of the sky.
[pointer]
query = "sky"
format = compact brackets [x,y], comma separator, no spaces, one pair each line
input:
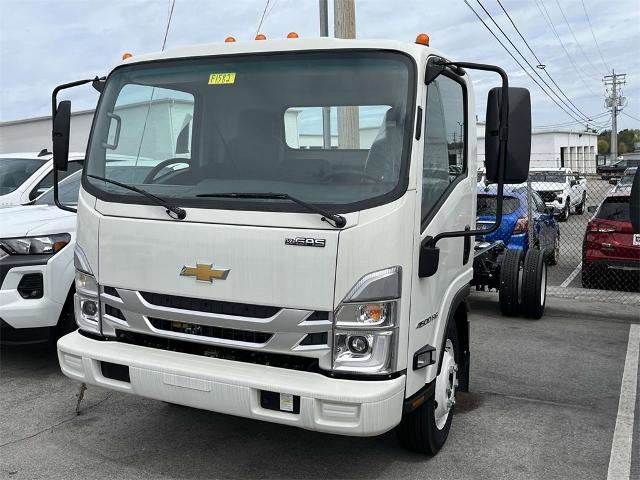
[44,43]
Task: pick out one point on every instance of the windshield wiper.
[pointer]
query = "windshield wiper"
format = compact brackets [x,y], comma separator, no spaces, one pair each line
[334,219]
[180,213]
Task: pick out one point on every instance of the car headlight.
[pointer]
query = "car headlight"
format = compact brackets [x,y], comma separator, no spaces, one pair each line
[41,245]
[365,325]
[88,294]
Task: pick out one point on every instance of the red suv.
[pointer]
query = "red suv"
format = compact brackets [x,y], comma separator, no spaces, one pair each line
[610,250]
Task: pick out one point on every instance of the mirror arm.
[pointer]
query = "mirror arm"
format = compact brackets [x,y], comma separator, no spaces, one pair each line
[503,135]
[54,110]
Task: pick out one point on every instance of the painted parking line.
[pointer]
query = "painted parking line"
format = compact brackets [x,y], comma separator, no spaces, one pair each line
[620,459]
[573,275]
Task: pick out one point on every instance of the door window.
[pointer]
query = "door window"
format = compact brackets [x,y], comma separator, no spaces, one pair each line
[444,140]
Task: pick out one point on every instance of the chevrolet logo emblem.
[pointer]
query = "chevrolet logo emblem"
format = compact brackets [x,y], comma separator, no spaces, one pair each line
[204,272]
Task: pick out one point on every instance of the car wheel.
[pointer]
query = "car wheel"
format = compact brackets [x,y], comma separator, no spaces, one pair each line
[580,208]
[66,321]
[564,216]
[554,257]
[534,284]
[510,276]
[425,429]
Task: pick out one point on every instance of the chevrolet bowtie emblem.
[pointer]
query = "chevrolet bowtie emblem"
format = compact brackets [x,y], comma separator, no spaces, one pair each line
[204,272]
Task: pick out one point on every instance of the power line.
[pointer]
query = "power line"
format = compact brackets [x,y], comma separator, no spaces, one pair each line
[262,17]
[549,22]
[594,36]
[574,35]
[575,111]
[631,116]
[540,64]
[166,32]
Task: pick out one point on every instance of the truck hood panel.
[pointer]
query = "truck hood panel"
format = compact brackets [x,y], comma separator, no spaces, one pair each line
[263,270]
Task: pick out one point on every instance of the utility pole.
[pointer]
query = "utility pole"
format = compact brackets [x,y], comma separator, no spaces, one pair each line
[326,111]
[615,102]
[344,26]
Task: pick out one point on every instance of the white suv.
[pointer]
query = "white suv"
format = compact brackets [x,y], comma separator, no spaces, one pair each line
[26,176]
[561,189]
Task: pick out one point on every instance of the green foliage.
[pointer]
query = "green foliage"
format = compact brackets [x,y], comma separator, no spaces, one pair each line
[603,146]
[626,140]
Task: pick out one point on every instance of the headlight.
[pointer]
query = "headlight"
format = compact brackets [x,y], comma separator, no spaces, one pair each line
[43,245]
[87,293]
[365,329]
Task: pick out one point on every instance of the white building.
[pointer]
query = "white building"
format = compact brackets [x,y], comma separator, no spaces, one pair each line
[573,149]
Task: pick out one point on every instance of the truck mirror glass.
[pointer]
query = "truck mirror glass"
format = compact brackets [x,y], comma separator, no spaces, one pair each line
[518,129]
[428,261]
[634,202]
[60,135]
[592,208]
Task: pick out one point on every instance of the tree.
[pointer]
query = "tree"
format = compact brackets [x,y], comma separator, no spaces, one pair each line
[603,146]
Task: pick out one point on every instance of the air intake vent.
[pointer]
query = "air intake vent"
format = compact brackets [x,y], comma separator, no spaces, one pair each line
[318,315]
[30,286]
[315,339]
[111,291]
[113,311]
[212,332]
[210,306]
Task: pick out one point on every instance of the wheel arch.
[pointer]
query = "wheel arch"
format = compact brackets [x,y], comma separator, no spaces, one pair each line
[458,313]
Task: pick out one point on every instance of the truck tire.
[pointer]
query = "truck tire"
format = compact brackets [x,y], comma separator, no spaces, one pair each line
[425,429]
[534,284]
[509,291]
[580,207]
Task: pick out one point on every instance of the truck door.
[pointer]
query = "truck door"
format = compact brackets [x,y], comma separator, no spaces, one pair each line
[447,203]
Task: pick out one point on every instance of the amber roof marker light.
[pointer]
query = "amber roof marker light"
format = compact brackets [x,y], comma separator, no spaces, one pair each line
[292,35]
[423,39]
[229,40]
[126,55]
[261,36]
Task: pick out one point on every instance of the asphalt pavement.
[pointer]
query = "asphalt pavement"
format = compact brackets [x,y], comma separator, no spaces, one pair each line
[543,404]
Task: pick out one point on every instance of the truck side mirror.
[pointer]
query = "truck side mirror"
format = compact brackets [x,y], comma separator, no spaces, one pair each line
[634,202]
[518,123]
[60,135]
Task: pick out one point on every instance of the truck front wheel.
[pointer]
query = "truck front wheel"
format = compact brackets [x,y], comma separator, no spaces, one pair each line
[426,428]
[534,284]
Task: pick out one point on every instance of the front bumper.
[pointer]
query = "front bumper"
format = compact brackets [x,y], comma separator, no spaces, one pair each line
[557,206]
[346,407]
[28,313]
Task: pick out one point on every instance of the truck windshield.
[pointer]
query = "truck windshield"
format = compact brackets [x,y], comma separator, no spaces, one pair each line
[328,128]
[15,171]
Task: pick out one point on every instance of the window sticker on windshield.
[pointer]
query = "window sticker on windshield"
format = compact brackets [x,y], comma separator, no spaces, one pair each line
[222,78]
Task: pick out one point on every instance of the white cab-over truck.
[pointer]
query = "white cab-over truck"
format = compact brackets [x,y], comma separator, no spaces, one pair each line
[307,259]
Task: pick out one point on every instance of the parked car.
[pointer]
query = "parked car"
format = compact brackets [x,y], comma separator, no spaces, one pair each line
[560,189]
[610,249]
[627,177]
[36,267]
[616,169]
[513,230]
[26,176]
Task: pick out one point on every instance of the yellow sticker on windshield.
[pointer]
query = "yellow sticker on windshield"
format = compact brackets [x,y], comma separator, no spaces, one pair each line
[222,78]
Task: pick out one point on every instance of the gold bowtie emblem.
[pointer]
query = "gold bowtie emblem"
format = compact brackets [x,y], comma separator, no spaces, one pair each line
[204,272]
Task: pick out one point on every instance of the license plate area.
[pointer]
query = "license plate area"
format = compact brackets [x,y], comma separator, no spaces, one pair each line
[280,402]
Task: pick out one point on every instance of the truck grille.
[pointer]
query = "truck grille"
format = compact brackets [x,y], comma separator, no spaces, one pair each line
[211,332]
[210,306]
[291,362]
[548,196]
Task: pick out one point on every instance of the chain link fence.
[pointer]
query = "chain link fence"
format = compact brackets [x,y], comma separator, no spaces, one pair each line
[582,221]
